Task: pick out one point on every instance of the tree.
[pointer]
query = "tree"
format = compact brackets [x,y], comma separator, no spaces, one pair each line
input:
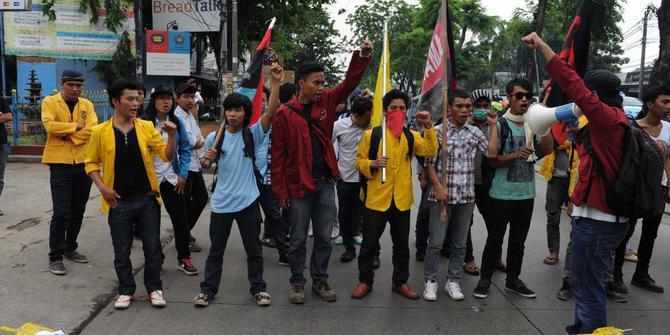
[122,64]
[661,73]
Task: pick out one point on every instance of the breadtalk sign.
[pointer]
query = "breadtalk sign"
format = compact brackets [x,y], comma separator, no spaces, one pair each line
[186,15]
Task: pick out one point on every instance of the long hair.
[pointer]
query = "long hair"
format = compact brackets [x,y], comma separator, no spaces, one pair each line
[150,112]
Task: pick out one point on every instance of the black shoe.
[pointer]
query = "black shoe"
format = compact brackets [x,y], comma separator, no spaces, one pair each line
[519,287]
[646,282]
[482,289]
[57,267]
[618,286]
[420,256]
[565,293]
[614,295]
[376,262]
[269,242]
[348,256]
[283,260]
[76,257]
[194,247]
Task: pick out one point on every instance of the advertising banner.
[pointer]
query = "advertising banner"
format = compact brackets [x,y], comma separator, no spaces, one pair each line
[168,53]
[186,15]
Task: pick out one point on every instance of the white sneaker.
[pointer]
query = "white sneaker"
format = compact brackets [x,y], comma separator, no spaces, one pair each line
[430,290]
[335,232]
[454,290]
[123,301]
[156,298]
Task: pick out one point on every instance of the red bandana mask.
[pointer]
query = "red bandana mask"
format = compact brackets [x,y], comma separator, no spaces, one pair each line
[395,120]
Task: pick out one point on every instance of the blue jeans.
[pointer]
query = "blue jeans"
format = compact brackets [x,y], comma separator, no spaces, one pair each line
[593,243]
[319,207]
[458,222]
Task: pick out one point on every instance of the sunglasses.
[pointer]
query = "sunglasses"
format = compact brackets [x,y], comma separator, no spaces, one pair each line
[520,95]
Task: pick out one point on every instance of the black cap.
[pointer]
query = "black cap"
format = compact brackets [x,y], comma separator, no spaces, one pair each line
[71,75]
[185,88]
[161,90]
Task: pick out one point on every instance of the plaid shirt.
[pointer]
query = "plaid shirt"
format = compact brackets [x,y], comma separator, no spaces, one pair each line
[462,146]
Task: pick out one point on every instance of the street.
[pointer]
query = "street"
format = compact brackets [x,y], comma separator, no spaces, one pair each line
[79,303]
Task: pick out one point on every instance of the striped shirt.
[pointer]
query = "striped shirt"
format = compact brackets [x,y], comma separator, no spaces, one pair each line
[462,146]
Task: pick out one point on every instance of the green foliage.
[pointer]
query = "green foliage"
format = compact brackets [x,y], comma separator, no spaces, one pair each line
[114,9]
[122,64]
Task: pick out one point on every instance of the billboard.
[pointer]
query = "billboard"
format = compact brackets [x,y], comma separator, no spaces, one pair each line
[186,15]
[168,53]
[14,5]
[71,35]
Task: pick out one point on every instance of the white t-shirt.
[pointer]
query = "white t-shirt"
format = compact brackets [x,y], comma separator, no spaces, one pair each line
[665,137]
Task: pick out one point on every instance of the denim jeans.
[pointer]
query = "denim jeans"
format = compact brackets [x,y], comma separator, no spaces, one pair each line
[145,212]
[319,207]
[70,187]
[349,210]
[593,243]
[557,195]
[458,223]
[249,224]
[4,153]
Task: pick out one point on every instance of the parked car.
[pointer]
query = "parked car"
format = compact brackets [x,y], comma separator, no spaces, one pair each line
[632,107]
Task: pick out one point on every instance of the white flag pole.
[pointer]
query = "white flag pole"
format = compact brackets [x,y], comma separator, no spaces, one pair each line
[384,89]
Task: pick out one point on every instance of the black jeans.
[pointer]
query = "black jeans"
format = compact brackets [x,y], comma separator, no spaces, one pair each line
[196,197]
[373,229]
[249,224]
[518,214]
[70,187]
[276,220]
[422,220]
[645,249]
[145,212]
[175,204]
[349,211]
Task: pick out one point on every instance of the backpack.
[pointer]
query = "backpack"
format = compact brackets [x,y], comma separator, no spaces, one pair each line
[637,190]
[375,141]
[249,151]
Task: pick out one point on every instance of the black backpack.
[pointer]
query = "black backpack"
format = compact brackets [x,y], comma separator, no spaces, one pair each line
[637,190]
[375,141]
[249,151]
[489,172]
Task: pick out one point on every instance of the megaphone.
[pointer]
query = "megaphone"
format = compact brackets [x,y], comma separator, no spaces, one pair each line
[541,118]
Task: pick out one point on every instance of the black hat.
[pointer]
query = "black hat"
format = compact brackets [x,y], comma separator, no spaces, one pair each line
[71,75]
[185,88]
[606,84]
[161,90]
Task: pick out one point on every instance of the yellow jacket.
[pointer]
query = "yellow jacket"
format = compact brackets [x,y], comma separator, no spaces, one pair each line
[547,167]
[398,184]
[102,151]
[65,144]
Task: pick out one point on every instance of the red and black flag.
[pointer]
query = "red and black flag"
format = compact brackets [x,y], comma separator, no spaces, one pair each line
[252,83]
[432,96]
[575,52]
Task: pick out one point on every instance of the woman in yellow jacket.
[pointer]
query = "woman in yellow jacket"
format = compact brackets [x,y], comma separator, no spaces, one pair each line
[68,120]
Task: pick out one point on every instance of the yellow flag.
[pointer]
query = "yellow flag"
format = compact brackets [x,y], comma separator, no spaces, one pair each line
[380,89]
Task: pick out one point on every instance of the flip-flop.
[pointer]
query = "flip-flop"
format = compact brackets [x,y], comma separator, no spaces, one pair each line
[469,270]
[551,260]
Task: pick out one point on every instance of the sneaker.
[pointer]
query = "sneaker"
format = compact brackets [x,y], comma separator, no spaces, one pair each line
[519,287]
[186,266]
[202,300]
[296,295]
[123,301]
[376,263]
[348,256]
[565,292]
[338,240]
[262,298]
[454,290]
[283,260]
[614,295]
[335,232]
[358,239]
[76,257]
[646,282]
[194,247]
[619,286]
[156,298]
[482,289]
[430,290]
[324,291]
[57,267]
[269,242]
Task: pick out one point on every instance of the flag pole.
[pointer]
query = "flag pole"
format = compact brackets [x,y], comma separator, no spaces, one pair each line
[445,99]
[384,89]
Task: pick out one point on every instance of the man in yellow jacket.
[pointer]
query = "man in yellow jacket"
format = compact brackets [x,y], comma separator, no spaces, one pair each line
[390,201]
[68,120]
[120,161]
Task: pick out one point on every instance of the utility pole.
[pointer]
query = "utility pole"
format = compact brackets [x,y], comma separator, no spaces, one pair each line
[235,51]
[644,47]
[223,57]
[139,41]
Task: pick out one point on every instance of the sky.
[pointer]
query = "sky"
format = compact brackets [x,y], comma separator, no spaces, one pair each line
[633,9]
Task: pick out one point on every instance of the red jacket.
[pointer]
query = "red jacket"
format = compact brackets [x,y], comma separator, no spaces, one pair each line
[607,125]
[291,142]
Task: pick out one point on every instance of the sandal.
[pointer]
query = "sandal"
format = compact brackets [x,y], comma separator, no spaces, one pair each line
[552,259]
[471,269]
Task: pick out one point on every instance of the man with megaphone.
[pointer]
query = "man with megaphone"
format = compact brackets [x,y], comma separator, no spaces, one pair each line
[596,230]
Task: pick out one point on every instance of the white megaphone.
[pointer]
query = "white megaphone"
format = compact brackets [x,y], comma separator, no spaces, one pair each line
[540,118]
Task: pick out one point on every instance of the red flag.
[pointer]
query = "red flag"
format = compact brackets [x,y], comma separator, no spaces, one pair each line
[252,83]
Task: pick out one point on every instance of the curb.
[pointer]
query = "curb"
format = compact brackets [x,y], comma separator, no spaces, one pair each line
[24,159]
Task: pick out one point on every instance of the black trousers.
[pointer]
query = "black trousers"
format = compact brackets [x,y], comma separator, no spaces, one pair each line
[248,222]
[145,212]
[196,197]
[421,232]
[645,249]
[70,188]
[276,220]
[373,228]
[518,214]
[175,204]
[349,211]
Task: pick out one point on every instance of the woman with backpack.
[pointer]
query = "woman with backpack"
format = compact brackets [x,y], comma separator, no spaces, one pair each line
[172,176]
